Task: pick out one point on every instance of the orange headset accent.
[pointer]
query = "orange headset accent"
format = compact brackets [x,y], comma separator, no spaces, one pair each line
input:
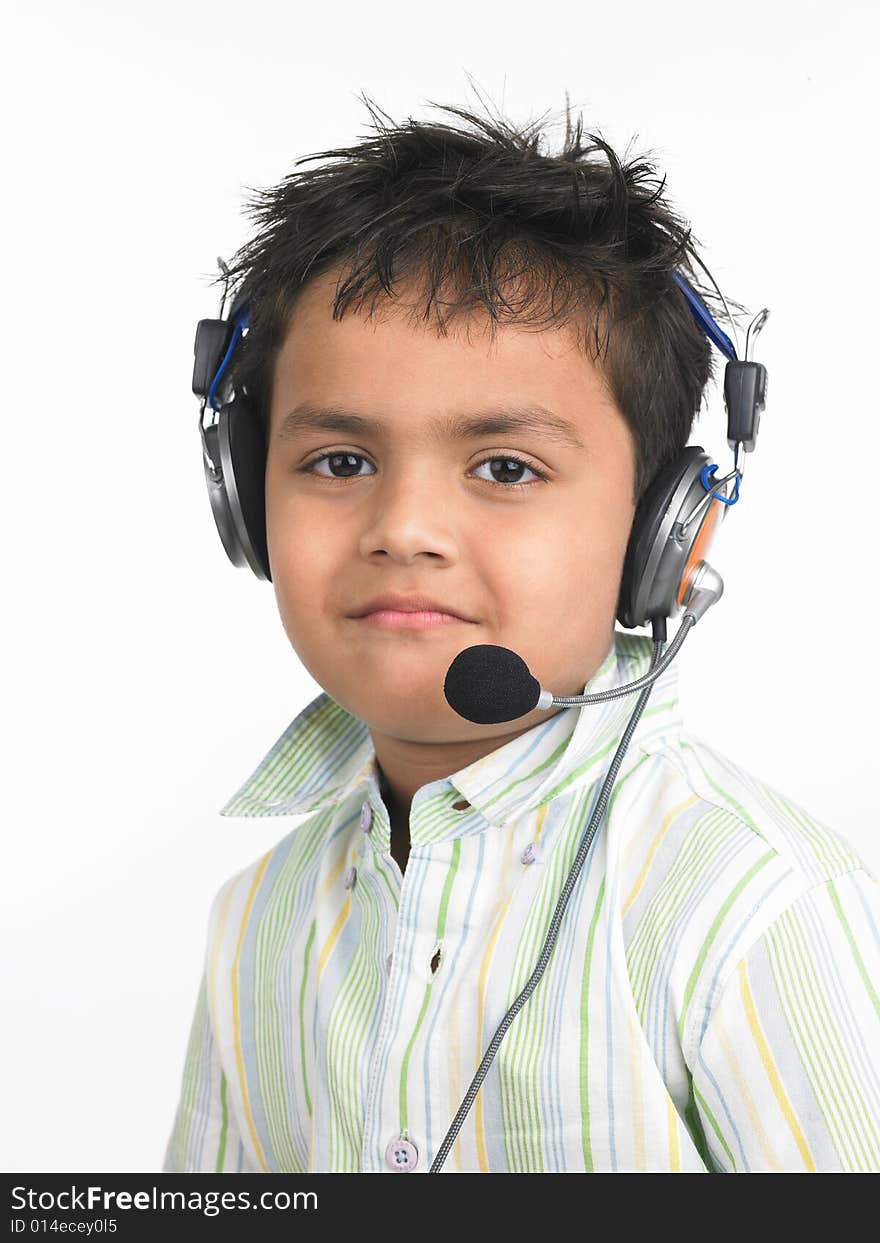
[700,546]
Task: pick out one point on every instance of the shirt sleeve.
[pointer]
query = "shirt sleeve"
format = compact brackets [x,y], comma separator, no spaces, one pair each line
[786,1076]
[205,1137]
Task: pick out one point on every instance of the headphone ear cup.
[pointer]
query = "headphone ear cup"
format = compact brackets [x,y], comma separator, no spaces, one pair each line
[237,490]
[657,566]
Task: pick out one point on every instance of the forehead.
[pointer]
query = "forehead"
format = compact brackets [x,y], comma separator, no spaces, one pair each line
[396,365]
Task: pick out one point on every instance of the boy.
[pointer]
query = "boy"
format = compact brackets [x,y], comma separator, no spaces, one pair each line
[470,362]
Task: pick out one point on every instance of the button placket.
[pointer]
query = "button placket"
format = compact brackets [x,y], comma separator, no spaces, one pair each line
[403,971]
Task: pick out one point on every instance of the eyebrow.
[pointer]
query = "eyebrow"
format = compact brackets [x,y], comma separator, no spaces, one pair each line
[532,418]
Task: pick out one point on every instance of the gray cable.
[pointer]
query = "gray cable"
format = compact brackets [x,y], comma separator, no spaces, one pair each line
[562,903]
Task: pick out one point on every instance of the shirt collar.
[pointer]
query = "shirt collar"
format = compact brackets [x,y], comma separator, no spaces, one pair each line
[326,755]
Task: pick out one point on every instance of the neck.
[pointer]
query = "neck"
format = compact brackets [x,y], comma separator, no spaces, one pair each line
[398,815]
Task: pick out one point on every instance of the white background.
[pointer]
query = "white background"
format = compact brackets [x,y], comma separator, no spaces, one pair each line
[144,676]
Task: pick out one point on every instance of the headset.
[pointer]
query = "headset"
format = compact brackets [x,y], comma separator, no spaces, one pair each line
[664,568]
[673,526]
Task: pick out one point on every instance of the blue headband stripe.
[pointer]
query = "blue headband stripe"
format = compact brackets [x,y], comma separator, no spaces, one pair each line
[240,323]
[705,320]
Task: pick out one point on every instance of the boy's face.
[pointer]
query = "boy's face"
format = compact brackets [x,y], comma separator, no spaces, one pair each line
[534,568]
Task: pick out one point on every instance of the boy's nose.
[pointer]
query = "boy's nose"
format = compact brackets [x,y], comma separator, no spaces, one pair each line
[405,524]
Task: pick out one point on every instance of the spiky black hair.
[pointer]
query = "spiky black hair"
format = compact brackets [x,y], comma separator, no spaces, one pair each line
[481,215]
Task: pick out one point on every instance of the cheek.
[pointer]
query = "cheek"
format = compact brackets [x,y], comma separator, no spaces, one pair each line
[581,545]
[300,545]
[304,561]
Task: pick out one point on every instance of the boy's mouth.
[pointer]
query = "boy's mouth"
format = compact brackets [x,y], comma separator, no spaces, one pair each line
[401,612]
[398,619]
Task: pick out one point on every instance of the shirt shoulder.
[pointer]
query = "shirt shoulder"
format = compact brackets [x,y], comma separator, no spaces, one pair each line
[814,851]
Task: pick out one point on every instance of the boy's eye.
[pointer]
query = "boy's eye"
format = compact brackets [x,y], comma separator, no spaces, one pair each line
[508,465]
[346,464]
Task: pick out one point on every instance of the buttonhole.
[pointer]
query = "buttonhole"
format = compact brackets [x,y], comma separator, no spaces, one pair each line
[435,961]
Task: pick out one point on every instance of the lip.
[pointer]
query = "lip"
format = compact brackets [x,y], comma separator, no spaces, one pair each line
[399,619]
[407,612]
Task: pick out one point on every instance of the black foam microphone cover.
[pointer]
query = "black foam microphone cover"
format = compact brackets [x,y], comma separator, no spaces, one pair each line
[487,684]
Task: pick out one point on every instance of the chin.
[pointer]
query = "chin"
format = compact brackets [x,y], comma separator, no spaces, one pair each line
[415,713]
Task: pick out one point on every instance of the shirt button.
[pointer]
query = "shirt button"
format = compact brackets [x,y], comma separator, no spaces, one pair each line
[528,855]
[350,878]
[366,817]
[461,805]
[401,1156]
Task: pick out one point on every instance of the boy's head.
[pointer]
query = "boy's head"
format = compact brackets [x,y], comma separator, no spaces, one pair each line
[430,277]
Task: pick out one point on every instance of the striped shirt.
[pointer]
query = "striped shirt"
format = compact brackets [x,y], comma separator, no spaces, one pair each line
[711,1003]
